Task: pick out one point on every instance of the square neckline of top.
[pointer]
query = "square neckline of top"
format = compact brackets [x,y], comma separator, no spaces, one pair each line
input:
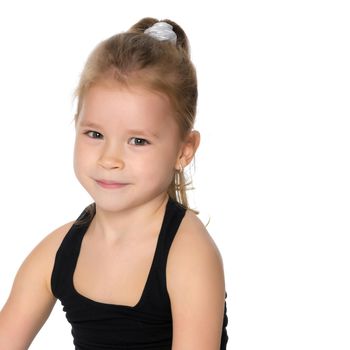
[144,290]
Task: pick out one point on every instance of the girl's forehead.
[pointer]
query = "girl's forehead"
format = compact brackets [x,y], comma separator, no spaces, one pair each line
[133,105]
[125,97]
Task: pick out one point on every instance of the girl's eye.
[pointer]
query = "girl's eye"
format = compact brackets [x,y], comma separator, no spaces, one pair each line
[138,142]
[94,134]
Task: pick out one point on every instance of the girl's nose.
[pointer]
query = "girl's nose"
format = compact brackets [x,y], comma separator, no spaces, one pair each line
[111,158]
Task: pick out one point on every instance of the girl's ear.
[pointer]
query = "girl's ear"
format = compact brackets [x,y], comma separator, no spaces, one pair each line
[188,149]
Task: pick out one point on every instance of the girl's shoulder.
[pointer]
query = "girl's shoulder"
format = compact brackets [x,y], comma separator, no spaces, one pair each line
[53,240]
[41,260]
[193,239]
[193,251]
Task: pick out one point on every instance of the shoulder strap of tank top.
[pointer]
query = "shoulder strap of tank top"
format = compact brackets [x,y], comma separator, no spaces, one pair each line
[172,220]
[156,290]
[68,253]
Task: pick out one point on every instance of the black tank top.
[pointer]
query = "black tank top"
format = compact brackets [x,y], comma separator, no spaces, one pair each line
[96,325]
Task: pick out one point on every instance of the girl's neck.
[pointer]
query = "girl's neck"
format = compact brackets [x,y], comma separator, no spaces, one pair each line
[129,224]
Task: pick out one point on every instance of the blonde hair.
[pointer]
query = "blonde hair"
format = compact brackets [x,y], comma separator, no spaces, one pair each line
[135,58]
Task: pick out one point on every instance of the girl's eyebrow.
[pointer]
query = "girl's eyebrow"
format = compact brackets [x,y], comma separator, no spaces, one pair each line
[142,132]
[90,125]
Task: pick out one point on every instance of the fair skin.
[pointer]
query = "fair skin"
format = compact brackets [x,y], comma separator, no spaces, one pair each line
[127,149]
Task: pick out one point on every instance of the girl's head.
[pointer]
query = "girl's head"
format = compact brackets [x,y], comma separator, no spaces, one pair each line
[134,61]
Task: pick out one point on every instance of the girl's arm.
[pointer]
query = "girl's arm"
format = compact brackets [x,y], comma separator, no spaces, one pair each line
[30,301]
[196,286]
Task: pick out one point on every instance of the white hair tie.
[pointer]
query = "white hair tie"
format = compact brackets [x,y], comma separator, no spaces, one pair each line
[162,31]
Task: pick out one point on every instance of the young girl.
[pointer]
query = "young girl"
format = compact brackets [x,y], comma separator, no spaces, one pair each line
[137,269]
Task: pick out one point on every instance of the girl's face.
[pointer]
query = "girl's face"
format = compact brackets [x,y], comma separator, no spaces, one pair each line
[127,146]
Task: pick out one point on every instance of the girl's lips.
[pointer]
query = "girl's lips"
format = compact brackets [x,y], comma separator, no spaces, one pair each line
[110,184]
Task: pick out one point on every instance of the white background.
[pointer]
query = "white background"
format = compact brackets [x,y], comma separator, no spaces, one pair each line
[272,172]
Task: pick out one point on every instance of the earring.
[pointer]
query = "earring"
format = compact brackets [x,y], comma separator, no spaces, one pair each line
[179,176]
